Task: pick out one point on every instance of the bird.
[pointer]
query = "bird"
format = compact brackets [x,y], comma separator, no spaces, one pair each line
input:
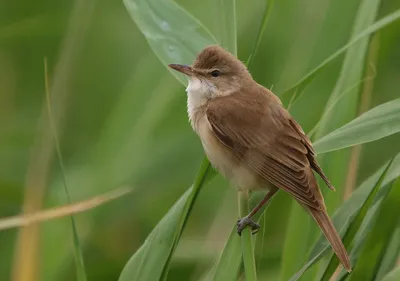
[252,140]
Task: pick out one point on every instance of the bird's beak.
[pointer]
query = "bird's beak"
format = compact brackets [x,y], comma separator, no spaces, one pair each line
[182,68]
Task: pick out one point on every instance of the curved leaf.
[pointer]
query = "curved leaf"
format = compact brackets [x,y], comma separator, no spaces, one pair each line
[377,123]
[300,85]
[173,34]
[370,258]
[151,261]
[147,263]
[229,263]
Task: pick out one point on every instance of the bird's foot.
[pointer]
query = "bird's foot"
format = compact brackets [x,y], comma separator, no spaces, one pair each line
[247,221]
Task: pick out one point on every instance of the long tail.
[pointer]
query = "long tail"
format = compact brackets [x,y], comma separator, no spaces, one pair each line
[325,223]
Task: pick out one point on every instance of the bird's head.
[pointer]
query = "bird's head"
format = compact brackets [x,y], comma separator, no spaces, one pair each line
[214,73]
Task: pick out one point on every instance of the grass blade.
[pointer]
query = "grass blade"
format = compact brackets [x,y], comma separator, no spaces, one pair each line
[352,68]
[300,86]
[394,275]
[378,239]
[355,225]
[349,209]
[293,250]
[62,211]
[370,222]
[78,253]
[173,34]
[379,122]
[261,30]
[229,263]
[151,261]
[205,173]
[227,24]
[391,256]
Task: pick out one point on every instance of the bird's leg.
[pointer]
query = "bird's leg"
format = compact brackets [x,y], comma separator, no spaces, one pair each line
[245,221]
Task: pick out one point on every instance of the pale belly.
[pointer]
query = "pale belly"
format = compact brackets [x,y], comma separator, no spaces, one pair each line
[226,163]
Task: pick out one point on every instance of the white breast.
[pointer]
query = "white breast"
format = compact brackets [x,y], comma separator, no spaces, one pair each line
[198,92]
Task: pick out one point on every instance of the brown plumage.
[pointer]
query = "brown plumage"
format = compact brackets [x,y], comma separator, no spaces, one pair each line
[252,140]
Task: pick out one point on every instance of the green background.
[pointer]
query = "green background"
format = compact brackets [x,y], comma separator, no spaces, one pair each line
[123,122]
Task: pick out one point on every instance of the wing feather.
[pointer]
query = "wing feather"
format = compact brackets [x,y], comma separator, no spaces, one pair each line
[263,136]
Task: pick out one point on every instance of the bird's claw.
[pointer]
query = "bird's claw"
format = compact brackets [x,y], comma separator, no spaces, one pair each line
[246,221]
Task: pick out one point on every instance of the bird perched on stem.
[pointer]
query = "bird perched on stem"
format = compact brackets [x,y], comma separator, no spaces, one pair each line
[252,140]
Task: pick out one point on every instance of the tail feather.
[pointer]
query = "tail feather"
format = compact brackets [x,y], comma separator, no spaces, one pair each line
[325,223]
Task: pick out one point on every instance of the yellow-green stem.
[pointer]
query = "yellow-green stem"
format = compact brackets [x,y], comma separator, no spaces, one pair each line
[247,240]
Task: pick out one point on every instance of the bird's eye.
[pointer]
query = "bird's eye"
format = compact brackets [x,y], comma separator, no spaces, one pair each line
[215,73]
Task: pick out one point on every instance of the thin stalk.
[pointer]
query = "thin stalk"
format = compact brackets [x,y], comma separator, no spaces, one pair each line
[25,220]
[226,21]
[79,262]
[365,98]
[261,30]
[247,240]
[300,85]
[27,246]
[243,197]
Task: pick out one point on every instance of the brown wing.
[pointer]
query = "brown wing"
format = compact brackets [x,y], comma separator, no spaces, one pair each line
[311,155]
[262,134]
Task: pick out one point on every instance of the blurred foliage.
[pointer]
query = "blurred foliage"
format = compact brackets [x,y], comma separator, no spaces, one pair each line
[121,119]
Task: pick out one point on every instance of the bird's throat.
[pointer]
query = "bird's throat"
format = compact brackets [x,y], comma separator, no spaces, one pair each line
[198,93]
